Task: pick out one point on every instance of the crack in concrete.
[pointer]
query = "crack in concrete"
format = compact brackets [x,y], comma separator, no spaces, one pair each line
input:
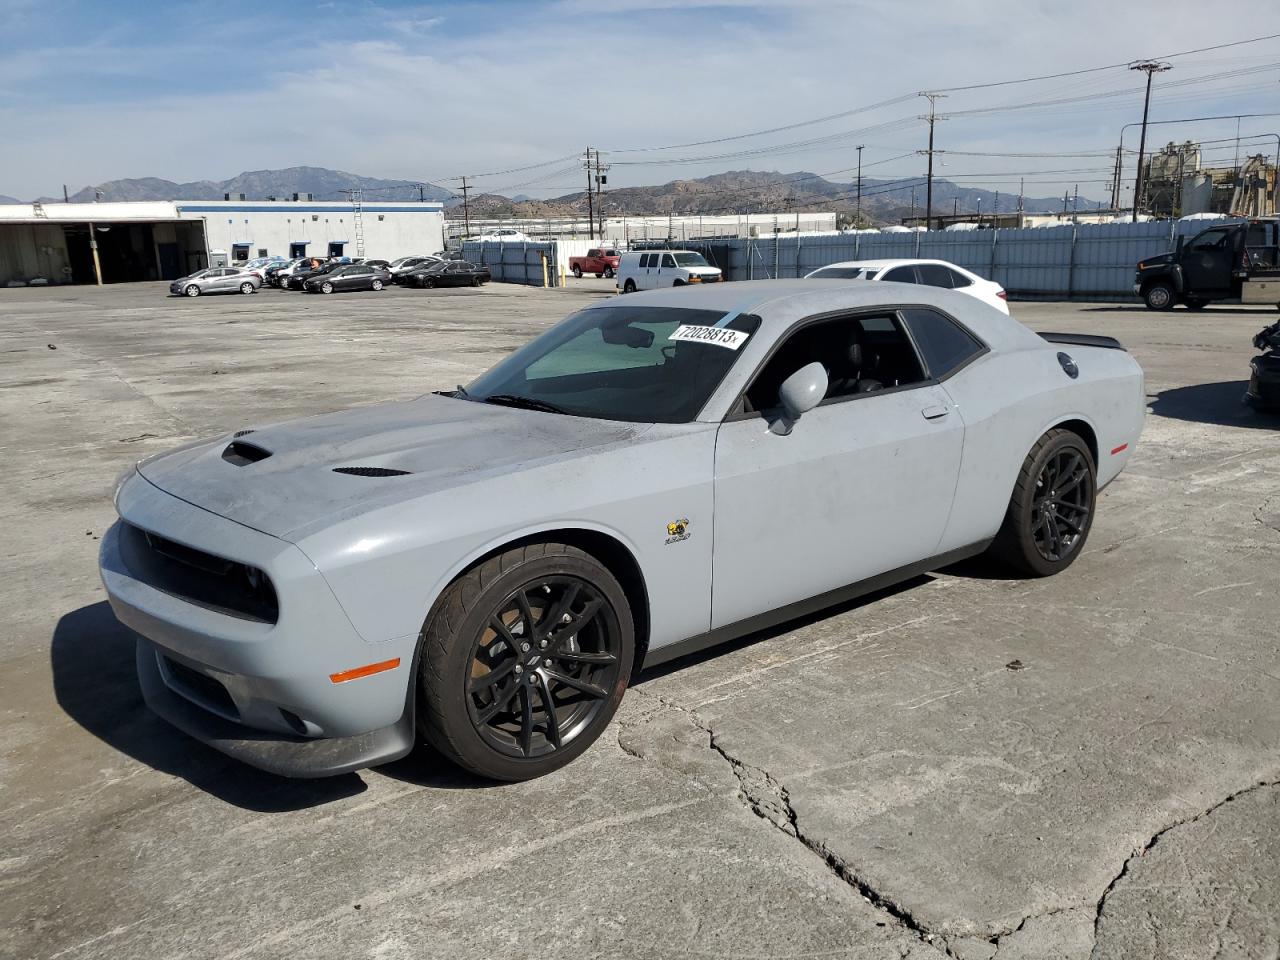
[769,800]
[1150,844]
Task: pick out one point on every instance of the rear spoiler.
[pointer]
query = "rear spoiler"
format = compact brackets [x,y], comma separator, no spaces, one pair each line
[1083,340]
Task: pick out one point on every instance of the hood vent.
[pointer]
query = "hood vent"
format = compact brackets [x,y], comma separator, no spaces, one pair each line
[242,454]
[371,471]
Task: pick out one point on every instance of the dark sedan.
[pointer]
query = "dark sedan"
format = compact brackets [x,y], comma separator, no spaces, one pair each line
[298,279]
[353,276]
[447,273]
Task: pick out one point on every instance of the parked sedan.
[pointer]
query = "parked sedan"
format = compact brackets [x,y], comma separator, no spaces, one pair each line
[487,567]
[351,276]
[216,280]
[930,273]
[447,273]
[307,271]
[405,265]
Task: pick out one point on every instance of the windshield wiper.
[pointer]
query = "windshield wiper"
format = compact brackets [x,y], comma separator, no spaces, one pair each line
[526,403]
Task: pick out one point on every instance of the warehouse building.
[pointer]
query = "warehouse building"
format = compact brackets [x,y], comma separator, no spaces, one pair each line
[163,240]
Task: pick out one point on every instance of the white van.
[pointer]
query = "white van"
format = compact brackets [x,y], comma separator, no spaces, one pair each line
[650,269]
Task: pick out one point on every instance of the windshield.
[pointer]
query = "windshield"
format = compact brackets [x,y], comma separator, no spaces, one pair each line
[435,266]
[637,363]
[691,260]
[841,273]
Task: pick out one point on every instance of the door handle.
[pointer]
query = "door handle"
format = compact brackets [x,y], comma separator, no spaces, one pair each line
[935,412]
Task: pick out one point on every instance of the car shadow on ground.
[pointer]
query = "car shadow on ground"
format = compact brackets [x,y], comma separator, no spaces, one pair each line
[95,683]
[1221,404]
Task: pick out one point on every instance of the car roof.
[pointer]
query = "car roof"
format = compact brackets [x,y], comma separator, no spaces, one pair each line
[780,303]
[885,264]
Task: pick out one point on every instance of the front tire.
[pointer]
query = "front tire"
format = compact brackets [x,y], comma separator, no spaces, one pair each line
[326,287]
[629,286]
[1159,296]
[246,287]
[192,290]
[377,284]
[1051,510]
[577,273]
[525,659]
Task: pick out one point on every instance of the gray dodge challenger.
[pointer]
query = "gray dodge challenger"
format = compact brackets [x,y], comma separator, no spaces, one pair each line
[485,568]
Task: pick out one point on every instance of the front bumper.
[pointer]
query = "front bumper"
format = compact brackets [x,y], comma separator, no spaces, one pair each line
[1263,391]
[259,691]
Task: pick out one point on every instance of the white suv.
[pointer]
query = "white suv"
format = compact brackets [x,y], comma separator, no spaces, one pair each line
[650,269]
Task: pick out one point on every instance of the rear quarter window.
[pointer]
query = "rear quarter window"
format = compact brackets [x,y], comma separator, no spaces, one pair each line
[944,345]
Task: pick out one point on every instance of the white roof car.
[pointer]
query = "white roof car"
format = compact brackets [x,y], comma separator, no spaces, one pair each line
[930,273]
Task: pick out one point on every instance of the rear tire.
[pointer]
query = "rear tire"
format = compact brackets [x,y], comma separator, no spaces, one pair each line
[1051,511]
[1159,296]
[498,663]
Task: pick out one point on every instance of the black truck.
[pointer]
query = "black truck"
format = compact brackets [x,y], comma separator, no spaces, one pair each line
[1238,260]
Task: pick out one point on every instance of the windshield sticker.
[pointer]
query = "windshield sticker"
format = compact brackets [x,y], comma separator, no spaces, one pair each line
[720,336]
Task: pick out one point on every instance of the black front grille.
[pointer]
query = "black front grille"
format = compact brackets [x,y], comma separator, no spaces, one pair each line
[371,471]
[215,583]
[201,689]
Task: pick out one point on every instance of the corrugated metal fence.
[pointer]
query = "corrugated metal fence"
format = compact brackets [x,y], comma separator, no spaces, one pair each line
[531,264]
[1088,261]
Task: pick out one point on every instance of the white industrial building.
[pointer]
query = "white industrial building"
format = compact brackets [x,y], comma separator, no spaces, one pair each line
[163,240]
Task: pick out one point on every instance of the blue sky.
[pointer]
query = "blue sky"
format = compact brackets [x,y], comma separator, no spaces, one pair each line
[427,90]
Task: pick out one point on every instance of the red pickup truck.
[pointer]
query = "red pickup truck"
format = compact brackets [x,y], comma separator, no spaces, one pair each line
[603,262]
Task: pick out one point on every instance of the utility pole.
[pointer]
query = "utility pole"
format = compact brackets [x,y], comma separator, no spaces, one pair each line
[1022,184]
[422,197]
[601,180]
[1075,206]
[932,118]
[591,210]
[1115,179]
[466,209]
[1150,67]
[859,208]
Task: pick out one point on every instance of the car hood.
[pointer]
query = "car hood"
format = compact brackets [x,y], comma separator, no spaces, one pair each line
[440,442]
[1157,261]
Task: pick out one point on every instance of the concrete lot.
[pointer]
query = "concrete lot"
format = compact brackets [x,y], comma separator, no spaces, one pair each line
[877,781]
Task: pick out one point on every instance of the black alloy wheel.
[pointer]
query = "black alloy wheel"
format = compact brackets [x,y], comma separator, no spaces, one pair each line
[1051,510]
[525,660]
[1062,504]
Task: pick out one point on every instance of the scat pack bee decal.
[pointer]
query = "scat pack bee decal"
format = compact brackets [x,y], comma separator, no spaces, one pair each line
[678,530]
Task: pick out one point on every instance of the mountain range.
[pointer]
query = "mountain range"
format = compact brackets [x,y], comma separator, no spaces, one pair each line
[321,183]
[736,191]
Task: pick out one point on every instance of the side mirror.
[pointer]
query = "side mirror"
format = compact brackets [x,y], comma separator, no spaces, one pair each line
[800,393]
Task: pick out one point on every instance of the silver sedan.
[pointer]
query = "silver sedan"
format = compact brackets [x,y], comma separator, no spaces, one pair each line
[216,280]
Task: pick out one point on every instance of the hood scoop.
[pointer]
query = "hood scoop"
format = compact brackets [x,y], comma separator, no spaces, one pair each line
[372,471]
[242,453]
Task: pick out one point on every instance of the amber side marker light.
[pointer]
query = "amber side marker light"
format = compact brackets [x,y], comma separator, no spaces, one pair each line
[368,670]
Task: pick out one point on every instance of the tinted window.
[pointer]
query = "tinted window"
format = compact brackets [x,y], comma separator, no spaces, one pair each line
[944,343]
[900,275]
[837,273]
[619,363]
[644,259]
[668,260]
[934,275]
[691,260]
[1210,240]
[958,279]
